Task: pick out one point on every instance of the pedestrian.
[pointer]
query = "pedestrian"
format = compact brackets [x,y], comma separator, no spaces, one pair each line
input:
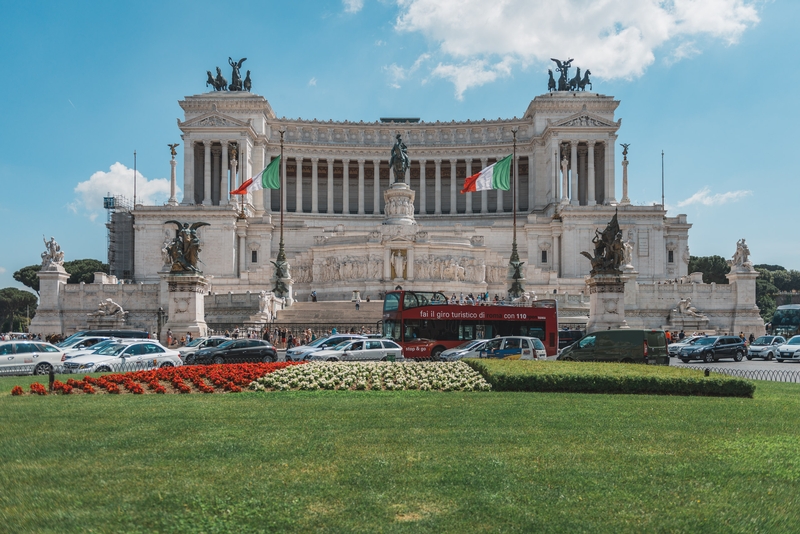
[290,342]
[681,335]
[358,303]
[169,337]
[751,338]
[188,337]
[283,337]
[236,333]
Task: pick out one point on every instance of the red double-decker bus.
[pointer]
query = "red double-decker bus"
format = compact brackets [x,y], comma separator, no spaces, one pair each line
[425,325]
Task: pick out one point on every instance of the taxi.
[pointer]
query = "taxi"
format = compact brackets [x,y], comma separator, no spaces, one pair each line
[514,348]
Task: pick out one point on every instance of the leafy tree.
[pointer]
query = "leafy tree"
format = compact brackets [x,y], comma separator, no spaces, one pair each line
[714,268]
[79,271]
[15,305]
[27,277]
[83,270]
[765,294]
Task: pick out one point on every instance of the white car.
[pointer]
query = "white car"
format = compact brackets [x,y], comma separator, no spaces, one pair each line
[80,343]
[29,357]
[123,357]
[468,349]
[359,350]
[304,352]
[514,348]
[789,351]
[765,347]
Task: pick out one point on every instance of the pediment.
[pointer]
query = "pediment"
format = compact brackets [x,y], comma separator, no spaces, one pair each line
[213,119]
[584,119]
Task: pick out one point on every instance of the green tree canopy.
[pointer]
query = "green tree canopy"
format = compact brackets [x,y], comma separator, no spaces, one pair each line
[79,271]
[15,306]
[714,268]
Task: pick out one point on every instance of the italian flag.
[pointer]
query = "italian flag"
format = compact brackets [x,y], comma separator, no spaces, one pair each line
[495,176]
[269,178]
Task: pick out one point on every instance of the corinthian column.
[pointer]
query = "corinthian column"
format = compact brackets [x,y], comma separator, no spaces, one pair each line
[469,195]
[453,198]
[573,189]
[299,185]
[223,182]
[361,186]
[207,174]
[438,187]
[590,189]
[330,186]
[314,186]
[345,187]
[423,208]
[376,180]
[188,170]
[484,193]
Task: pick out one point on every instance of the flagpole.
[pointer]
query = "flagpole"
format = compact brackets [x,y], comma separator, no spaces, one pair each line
[134,179]
[281,252]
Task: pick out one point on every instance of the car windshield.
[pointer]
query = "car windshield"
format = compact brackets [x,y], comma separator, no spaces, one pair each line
[318,342]
[537,344]
[112,350]
[343,345]
[794,341]
[763,340]
[97,347]
[226,345]
[195,342]
[704,341]
[468,344]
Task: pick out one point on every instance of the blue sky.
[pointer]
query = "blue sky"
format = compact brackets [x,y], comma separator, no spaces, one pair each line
[710,82]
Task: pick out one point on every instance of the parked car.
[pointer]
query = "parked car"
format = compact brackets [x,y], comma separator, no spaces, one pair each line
[765,347]
[514,348]
[359,350]
[789,350]
[81,343]
[468,349]
[628,345]
[303,352]
[19,357]
[675,348]
[125,356]
[235,351]
[98,347]
[713,348]
[201,343]
[126,334]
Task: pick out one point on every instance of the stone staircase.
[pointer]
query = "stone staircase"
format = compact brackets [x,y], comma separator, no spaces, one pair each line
[337,312]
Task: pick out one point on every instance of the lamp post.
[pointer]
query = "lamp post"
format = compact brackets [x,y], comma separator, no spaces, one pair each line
[161,315]
[515,266]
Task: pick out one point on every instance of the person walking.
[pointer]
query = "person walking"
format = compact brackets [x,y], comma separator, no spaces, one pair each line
[358,303]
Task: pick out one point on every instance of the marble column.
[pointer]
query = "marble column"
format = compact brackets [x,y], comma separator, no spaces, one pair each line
[188,171]
[531,184]
[583,171]
[484,194]
[573,173]
[376,180]
[224,193]
[499,206]
[314,185]
[610,185]
[216,170]
[173,182]
[207,174]
[468,162]
[361,186]
[453,192]
[423,194]
[345,186]
[438,187]
[330,185]
[557,253]
[259,156]
[299,184]
[591,201]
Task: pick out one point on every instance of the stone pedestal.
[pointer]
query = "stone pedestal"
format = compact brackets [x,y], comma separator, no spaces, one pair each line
[186,303]
[48,319]
[746,317]
[606,302]
[107,322]
[399,204]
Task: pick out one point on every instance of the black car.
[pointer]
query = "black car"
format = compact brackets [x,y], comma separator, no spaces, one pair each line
[235,351]
[713,348]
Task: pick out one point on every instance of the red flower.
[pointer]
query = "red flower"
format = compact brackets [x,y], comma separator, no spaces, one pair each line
[39,389]
[17,390]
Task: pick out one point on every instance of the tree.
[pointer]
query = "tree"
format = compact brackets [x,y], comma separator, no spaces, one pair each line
[714,268]
[83,270]
[27,277]
[16,306]
[765,294]
[79,271]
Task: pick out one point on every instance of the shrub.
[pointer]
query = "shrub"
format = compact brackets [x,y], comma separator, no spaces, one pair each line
[580,377]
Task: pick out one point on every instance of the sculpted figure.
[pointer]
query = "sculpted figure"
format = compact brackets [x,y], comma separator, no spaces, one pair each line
[742,254]
[628,252]
[399,263]
[108,307]
[184,250]
[236,78]
[399,160]
[52,254]
[608,249]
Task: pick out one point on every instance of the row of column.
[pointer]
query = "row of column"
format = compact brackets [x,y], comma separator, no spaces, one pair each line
[453,187]
[576,167]
[210,174]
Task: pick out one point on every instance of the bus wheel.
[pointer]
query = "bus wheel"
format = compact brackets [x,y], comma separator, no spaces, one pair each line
[436,352]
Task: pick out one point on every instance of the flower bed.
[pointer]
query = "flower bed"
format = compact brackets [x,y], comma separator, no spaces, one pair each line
[206,379]
[444,376]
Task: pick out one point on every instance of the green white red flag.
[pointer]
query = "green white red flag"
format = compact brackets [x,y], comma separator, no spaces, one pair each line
[269,178]
[495,176]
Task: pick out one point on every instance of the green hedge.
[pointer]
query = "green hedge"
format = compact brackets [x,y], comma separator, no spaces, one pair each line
[581,377]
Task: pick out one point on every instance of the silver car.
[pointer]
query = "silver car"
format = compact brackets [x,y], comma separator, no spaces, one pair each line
[360,350]
[125,356]
[765,347]
[468,349]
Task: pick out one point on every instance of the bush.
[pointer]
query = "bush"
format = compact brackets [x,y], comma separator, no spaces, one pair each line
[580,377]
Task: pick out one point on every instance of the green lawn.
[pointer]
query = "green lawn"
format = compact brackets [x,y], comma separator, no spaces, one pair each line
[400,462]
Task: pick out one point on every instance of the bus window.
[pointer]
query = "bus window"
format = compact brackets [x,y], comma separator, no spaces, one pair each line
[391,302]
[466,331]
[391,329]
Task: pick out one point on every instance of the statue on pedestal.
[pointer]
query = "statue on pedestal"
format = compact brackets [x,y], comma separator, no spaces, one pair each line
[184,250]
[741,258]
[399,160]
[236,78]
[608,249]
[52,257]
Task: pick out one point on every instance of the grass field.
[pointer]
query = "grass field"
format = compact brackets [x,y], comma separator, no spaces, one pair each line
[400,462]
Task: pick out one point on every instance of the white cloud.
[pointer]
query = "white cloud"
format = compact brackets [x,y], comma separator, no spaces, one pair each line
[616,39]
[312,82]
[472,74]
[398,73]
[2,270]
[705,197]
[353,6]
[117,181]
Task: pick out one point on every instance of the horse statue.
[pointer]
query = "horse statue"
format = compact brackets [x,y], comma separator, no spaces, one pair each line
[220,83]
[248,84]
[211,81]
[585,81]
[574,82]
[399,160]
[551,83]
